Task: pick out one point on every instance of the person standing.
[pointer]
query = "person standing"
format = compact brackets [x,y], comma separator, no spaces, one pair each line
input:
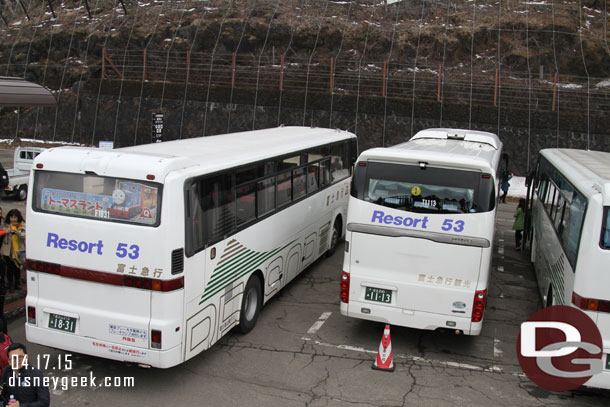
[505,185]
[22,381]
[4,327]
[519,222]
[13,248]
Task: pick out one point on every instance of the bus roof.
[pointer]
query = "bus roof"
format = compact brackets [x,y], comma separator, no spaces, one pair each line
[588,171]
[209,153]
[453,148]
[459,134]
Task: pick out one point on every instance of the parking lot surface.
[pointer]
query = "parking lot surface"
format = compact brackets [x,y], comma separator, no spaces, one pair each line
[303,352]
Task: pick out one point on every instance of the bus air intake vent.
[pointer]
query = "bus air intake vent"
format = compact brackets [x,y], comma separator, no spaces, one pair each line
[178,261]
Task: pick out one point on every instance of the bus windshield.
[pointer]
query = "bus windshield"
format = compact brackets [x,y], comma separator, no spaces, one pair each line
[92,196]
[427,190]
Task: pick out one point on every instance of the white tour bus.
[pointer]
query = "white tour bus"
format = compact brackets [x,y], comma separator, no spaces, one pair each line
[570,245]
[420,229]
[150,254]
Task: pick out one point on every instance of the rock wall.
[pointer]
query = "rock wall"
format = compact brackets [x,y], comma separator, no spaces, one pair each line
[92,111]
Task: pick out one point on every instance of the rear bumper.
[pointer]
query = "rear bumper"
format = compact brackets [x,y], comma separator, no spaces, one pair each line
[115,351]
[409,318]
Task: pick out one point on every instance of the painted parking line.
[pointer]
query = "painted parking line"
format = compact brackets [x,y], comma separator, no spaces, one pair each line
[318,324]
[416,359]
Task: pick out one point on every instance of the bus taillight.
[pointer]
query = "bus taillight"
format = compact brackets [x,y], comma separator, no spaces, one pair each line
[42,266]
[478,306]
[155,339]
[344,287]
[590,304]
[31,315]
[106,278]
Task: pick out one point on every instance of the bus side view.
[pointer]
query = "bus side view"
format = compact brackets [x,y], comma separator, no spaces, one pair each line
[420,228]
[570,246]
[150,254]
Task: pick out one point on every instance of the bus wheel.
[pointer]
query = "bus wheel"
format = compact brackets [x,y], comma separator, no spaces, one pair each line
[334,239]
[251,304]
[22,193]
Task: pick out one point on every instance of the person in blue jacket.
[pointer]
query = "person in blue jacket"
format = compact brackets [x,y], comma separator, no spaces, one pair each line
[505,185]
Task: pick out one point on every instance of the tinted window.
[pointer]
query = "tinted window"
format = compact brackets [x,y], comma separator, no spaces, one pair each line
[284,188]
[246,203]
[605,240]
[212,211]
[265,196]
[299,183]
[339,161]
[410,188]
[571,227]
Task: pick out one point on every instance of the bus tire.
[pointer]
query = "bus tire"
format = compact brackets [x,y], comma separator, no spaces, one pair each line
[334,238]
[22,193]
[251,304]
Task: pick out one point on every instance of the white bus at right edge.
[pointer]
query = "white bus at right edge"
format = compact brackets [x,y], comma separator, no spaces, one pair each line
[570,245]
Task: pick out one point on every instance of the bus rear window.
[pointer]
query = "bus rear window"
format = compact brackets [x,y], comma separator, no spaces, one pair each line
[95,197]
[427,190]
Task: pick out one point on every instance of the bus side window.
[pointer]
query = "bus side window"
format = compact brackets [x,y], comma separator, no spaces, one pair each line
[324,173]
[265,196]
[550,199]
[560,207]
[284,188]
[312,177]
[219,215]
[299,183]
[196,235]
[570,235]
[246,203]
[339,161]
[606,230]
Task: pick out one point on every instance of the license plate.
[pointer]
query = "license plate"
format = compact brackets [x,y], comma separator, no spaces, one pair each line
[62,323]
[378,295]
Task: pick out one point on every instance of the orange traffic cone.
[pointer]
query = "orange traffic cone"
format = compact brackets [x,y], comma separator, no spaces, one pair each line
[384,360]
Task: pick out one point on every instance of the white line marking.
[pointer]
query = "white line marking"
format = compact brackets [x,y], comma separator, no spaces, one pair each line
[501,269]
[465,366]
[497,349]
[500,250]
[325,316]
[318,324]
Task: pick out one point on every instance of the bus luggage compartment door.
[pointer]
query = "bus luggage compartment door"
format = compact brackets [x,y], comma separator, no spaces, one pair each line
[98,311]
[422,275]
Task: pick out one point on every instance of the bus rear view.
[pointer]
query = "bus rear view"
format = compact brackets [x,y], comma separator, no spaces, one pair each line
[101,276]
[420,231]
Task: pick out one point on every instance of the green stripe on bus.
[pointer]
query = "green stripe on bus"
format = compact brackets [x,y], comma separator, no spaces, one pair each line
[210,292]
[235,277]
[217,274]
[220,279]
[232,261]
[249,266]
